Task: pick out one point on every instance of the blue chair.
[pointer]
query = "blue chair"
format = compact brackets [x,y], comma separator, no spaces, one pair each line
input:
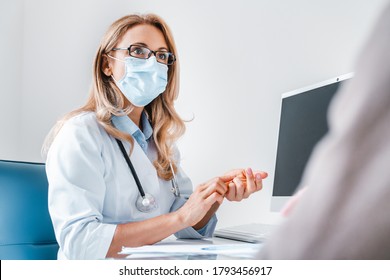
[26,230]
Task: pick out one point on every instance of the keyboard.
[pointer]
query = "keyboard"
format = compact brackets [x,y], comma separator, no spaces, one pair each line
[252,233]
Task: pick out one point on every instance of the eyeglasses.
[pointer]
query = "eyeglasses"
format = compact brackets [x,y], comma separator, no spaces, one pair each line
[163,57]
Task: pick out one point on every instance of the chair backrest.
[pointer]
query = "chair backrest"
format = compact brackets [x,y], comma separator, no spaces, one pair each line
[26,230]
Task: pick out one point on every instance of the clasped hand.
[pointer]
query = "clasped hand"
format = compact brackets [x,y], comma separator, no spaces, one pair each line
[243,183]
[235,185]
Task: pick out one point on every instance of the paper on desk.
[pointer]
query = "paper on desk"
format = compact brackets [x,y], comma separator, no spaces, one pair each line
[245,249]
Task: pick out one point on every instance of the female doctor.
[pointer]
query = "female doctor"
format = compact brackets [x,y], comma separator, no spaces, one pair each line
[112,165]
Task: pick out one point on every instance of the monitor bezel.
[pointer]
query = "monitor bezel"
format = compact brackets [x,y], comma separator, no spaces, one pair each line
[278,202]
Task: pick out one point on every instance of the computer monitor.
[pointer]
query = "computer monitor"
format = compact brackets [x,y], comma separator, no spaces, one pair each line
[303,122]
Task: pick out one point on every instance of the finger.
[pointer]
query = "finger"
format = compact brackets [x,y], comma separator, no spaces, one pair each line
[263,174]
[227,184]
[227,178]
[231,192]
[217,179]
[234,172]
[215,186]
[214,197]
[219,188]
[202,187]
[250,183]
[240,188]
[258,181]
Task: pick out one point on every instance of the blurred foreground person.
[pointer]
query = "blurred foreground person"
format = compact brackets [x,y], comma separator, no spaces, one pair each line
[344,213]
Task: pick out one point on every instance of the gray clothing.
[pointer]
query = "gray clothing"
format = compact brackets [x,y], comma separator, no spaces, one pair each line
[345,212]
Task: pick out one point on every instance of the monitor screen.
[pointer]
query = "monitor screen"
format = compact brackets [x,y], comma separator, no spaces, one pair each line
[303,122]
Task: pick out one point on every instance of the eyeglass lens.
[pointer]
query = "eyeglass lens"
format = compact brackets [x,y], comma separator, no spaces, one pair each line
[144,53]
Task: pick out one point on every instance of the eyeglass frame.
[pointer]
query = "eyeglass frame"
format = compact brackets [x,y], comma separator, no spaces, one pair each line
[149,55]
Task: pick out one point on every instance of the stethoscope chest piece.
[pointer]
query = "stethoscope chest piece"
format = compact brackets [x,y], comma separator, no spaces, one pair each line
[146,203]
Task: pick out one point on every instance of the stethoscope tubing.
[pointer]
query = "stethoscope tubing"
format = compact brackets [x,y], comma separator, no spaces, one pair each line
[132,169]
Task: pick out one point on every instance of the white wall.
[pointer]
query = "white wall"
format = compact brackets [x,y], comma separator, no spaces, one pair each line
[11,49]
[237,58]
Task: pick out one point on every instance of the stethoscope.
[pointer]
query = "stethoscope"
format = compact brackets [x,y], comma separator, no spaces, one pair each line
[145,201]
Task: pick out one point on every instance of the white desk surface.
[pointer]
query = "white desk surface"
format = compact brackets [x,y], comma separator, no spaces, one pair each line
[194,249]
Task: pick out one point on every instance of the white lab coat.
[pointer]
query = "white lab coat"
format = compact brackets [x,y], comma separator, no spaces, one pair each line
[91,188]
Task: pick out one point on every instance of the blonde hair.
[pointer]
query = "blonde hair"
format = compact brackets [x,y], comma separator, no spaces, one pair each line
[106,100]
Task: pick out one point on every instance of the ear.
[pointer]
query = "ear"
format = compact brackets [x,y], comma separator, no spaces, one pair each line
[106,67]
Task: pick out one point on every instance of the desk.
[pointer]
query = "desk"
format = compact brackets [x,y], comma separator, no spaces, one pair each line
[194,249]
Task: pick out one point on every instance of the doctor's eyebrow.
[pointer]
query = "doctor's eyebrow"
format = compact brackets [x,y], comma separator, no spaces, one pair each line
[145,45]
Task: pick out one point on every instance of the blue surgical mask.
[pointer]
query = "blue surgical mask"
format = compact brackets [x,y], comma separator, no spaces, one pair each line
[143,81]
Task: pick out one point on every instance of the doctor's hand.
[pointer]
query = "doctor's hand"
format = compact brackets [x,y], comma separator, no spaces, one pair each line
[244,183]
[204,201]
